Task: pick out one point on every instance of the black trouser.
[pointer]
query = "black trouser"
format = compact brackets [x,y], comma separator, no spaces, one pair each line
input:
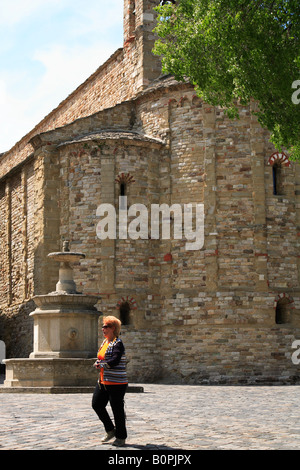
[115,395]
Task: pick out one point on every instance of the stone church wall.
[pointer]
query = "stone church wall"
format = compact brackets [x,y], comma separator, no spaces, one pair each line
[229,291]
[228,312]
[17,202]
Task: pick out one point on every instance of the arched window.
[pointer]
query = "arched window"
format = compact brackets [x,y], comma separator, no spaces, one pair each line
[125,313]
[124,180]
[282,311]
[279,162]
[125,306]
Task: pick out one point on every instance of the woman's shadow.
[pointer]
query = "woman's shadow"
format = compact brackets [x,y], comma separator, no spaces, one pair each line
[151,447]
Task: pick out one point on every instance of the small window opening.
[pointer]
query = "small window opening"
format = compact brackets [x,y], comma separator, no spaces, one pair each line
[282,314]
[122,189]
[125,313]
[277,179]
[123,194]
[132,18]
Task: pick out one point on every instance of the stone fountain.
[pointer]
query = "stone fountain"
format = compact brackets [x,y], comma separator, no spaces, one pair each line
[65,337]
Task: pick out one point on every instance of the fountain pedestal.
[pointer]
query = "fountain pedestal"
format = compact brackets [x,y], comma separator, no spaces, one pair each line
[65,326]
[65,336]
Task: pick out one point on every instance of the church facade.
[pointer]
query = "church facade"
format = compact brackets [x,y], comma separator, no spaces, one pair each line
[227,311]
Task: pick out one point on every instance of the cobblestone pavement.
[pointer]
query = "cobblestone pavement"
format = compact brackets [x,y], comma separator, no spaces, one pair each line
[167,417]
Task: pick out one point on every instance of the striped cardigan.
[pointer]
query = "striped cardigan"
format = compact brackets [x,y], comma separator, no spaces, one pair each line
[114,362]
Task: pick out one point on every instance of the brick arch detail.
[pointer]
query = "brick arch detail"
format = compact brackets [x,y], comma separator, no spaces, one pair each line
[125,178]
[131,301]
[279,157]
[281,296]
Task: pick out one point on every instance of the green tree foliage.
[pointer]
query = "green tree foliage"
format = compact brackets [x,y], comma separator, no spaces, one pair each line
[235,51]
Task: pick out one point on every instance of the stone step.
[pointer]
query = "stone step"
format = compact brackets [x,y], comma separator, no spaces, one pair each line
[61,390]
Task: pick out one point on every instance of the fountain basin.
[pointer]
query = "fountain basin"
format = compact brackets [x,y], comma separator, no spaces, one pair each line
[53,375]
[66,284]
[66,256]
[65,326]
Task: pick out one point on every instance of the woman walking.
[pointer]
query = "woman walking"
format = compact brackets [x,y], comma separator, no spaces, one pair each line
[112,383]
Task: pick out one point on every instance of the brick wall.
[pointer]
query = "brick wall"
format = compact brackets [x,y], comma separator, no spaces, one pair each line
[195,316]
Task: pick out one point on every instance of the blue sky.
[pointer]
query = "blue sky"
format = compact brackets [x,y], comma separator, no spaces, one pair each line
[47,49]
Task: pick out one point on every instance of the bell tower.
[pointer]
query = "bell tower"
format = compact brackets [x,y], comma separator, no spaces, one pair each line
[139,22]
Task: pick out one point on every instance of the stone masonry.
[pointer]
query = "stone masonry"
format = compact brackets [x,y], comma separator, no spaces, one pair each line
[228,313]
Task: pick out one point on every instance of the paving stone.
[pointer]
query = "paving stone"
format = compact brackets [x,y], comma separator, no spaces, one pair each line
[164,417]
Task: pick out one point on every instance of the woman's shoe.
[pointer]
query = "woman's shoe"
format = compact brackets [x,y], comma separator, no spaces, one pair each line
[108,436]
[119,442]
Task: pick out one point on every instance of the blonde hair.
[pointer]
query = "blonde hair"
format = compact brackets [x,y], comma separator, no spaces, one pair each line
[115,322]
